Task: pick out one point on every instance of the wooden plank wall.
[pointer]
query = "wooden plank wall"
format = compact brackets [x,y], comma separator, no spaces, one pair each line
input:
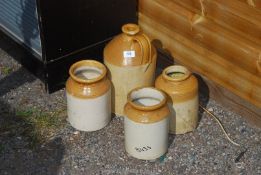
[219,39]
[253,3]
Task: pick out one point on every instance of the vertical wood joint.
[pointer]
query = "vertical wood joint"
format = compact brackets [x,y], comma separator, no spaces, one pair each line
[251,3]
[258,64]
[197,19]
[203,10]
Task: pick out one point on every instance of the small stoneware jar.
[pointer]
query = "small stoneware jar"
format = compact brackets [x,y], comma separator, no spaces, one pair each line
[182,90]
[146,123]
[88,92]
[131,61]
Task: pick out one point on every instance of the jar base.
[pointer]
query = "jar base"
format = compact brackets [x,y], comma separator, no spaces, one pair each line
[89,129]
[181,132]
[152,159]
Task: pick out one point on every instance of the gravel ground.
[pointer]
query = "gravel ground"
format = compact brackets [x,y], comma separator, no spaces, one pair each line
[35,137]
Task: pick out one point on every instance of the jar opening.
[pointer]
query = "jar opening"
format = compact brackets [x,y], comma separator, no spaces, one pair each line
[146,98]
[176,73]
[146,101]
[130,29]
[87,72]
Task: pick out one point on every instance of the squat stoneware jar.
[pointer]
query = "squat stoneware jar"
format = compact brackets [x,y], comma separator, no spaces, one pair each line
[131,61]
[146,123]
[182,90]
[88,92]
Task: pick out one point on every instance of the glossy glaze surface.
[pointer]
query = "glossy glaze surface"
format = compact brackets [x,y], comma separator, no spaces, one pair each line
[87,88]
[146,123]
[89,114]
[182,89]
[146,141]
[88,92]
[131,41]
[124,79]
[131,61]
[146,105]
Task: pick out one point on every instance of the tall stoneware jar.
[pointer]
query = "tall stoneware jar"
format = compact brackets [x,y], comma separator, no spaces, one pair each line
[88,92]
[182,89]
[131,61]
[146,123]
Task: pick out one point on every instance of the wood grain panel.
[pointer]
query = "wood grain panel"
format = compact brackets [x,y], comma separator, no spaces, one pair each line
[204,61]
[252,3]
[233,18]
[240,51]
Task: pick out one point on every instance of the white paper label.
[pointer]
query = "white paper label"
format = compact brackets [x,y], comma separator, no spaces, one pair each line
[129,54]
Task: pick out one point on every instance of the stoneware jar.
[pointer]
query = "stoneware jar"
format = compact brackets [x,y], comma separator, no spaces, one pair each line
[182,89]
[88,92]
[146,123]
[131,60]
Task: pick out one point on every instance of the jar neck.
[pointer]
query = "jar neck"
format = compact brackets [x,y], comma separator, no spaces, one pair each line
[130,29]
[146,98]
[176,73]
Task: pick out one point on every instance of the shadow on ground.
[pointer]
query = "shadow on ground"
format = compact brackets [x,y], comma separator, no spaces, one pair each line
[20,152]
[17,154]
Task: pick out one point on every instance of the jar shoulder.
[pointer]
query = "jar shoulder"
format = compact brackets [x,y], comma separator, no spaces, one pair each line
[140,116]
[114,52]
[187,85]
[86,91]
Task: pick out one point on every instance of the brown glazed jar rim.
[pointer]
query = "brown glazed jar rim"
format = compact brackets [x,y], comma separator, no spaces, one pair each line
[130,29]
[91,63]
[146,108]
[176,68]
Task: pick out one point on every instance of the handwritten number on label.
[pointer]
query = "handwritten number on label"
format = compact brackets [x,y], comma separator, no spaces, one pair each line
[129,54]
[145,148]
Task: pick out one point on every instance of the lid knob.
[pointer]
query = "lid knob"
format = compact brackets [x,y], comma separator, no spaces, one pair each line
[130,29]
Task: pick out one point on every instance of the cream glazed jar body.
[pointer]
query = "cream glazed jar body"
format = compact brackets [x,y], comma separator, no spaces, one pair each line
[182,90]
[146,123]
[88,92]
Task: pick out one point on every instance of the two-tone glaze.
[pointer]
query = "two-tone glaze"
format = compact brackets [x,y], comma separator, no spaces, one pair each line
[182,89]
[146,124]
[88,92]
[131,61]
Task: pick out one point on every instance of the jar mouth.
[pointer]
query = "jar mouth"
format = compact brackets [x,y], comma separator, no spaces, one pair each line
[176,73]
[87,71]
[130,29]
[146,98]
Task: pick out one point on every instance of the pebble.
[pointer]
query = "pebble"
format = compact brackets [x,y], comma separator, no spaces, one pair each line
[76,132]
[240,165]
[121,158]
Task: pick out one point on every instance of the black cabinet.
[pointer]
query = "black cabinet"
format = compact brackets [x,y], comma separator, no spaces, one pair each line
[58,33]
